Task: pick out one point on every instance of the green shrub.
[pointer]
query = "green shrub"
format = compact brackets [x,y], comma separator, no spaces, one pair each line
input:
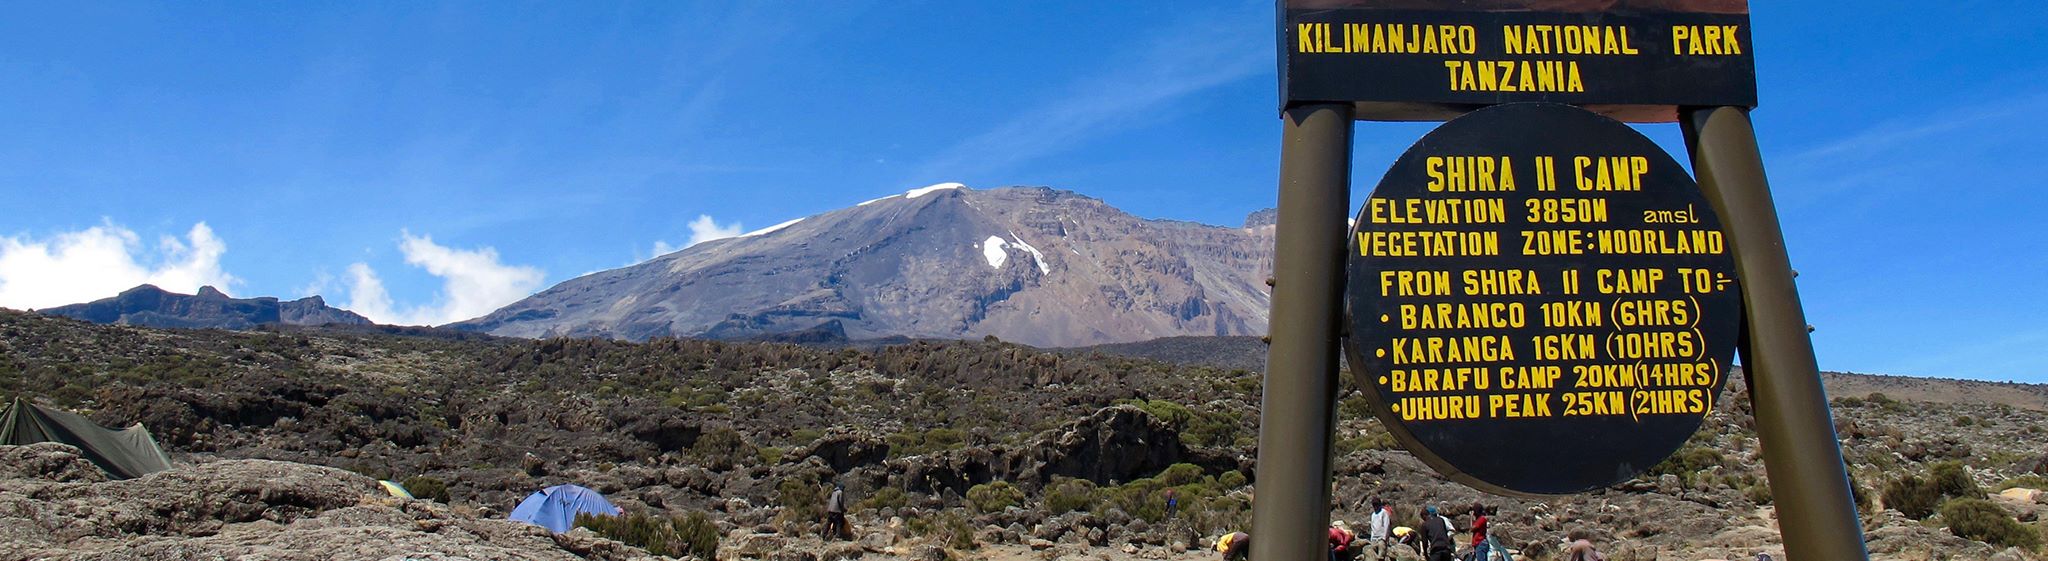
[800,499]
[1965,421]
[1980,520]
[428,488]
[886,497]
[691,534]
[950,528]
[723,449]
[2030,481]
[919,443]
[994,496]
[1688,462]
[1912,496]
[1067,495]
[1230,480]
[1953,480]
[1181,474]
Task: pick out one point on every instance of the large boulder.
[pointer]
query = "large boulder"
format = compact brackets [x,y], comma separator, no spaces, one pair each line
[54,505]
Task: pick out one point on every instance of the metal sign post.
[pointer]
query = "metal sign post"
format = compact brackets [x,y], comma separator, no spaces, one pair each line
[1297,416]
[1644,61]
[1816,512]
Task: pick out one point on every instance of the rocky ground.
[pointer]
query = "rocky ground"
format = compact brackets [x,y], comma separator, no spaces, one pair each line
[950,450]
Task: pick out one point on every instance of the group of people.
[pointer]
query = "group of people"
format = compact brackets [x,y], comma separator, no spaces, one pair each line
[1434,540]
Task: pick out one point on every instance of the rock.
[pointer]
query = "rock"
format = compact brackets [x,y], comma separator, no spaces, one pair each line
[841,551]
[792,554]
[256,509]
[48,461]
[1039,544]
[875,542]
[842,451]
[758,545]
[928,553]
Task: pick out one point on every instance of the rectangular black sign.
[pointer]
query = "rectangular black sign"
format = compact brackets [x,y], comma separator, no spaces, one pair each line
[1418,60]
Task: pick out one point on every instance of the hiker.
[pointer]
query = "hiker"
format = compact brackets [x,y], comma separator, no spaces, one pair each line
[1172,502]
[1341,540]
[1235,546]
[1382,522]
[1436,536]
[835,513]
[1579,548]
[1479,546]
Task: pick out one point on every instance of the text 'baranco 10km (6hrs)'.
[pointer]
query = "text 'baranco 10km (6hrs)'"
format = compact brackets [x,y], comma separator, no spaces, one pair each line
[1542,301]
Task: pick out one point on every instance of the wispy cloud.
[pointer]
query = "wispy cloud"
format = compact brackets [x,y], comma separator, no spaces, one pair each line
[473,283]
[97,262]
[1916,151]
[1178,61]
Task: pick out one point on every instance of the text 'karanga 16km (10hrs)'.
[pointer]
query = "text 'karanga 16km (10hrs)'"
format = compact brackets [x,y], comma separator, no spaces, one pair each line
[1536,285]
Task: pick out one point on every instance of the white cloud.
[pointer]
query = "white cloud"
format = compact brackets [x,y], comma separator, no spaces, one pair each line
[101,261]
[473,283]
[704,229]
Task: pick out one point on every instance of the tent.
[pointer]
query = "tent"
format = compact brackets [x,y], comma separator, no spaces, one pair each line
[555,507]
[124,454]
[395,489]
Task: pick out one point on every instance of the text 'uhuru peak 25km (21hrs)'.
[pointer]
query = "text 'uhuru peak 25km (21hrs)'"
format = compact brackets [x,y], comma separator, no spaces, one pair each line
[1536,285]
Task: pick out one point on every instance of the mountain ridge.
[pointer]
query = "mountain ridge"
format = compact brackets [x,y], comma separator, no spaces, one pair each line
[1034,265]
[150,306]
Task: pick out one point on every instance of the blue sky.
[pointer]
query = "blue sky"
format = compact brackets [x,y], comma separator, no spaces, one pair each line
[422,162]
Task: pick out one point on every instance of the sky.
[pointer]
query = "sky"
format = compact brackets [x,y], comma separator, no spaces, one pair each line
[423,163]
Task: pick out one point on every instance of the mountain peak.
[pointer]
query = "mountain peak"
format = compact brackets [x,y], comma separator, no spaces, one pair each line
[209,291]
[1033,265]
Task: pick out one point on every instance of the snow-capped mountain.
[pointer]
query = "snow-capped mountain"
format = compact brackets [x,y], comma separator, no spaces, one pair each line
[1031,265]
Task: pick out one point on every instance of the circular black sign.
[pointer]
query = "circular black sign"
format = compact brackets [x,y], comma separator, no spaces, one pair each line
[1541,300]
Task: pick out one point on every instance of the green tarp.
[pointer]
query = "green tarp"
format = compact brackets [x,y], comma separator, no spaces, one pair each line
[124,454]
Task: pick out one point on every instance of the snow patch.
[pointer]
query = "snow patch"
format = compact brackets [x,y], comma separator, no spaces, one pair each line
[1035,255]
[770,229]
[994,249]
[922,191]
[873,201]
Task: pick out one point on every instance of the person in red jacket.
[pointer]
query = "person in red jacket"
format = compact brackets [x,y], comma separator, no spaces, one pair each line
[1341,539]
[1479,512]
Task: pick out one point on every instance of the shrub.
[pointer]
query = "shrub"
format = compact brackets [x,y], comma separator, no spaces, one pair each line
[723,448]
[1688,462]
[1180,474]
[886,497]
[691,534]
[994,496]
[428,488]
[1953,480]
[800,499]
[1965,421]
[1912,496]
[949,528]
[1230,480]
[2030,481]
[1067,495]
[1980,520]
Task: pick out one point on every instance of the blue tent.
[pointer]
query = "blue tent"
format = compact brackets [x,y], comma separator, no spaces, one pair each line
[555,507]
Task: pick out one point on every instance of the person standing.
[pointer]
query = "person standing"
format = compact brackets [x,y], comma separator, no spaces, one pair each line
[1172,502]
[1382,521]
[1436,536]
[1479,531]
[835,513]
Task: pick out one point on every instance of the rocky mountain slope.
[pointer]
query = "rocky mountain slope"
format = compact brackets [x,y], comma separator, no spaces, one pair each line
[958,449]
[149,306]
[1031,265]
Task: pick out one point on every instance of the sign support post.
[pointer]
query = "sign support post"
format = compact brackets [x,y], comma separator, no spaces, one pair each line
[1297,416]
[1816,512]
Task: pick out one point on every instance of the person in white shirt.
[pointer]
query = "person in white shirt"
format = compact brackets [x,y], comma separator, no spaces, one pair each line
[1382,520]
